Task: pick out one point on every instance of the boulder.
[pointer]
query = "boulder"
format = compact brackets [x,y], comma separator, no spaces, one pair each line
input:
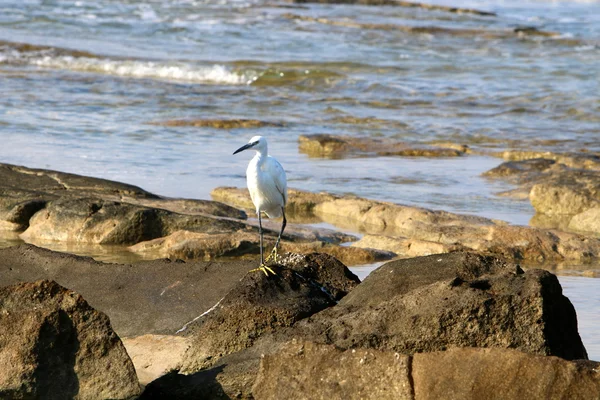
[54,345]
[404,308]
[502,374]
[26,192]
[437,302]
[89,220]
[305,370]
[303,286]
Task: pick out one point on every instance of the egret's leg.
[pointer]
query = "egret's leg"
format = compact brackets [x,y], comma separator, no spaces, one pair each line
[262,266]
[273,254]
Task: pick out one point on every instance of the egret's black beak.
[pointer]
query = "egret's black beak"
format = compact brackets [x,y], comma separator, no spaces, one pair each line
[244,147]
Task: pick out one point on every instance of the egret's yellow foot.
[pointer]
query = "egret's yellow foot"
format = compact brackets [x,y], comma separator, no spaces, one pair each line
[264,268]
[274,255]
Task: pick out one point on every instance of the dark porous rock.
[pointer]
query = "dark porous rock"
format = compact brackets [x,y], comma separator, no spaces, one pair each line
[481,304]
[259,304]
[158,296]
[502,374]
[305,370]
[53,345]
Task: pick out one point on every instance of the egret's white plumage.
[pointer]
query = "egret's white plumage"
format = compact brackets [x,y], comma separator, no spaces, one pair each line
[267,185]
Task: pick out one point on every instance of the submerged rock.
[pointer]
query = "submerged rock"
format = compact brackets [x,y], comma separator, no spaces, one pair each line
[219,123]
[323,145]
[53,345]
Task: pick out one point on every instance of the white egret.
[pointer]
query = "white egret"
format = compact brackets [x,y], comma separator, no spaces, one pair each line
[267,184]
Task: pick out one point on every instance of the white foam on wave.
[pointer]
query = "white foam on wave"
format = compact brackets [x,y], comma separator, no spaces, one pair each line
[214,74]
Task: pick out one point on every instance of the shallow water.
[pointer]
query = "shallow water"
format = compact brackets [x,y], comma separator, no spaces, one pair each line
[84,88]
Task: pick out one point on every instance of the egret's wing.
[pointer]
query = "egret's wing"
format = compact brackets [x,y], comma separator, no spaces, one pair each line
[279,177]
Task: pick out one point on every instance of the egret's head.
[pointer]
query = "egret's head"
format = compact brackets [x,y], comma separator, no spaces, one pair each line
[257,143]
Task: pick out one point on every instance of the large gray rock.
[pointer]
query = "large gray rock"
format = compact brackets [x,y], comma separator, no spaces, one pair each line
[437,302]
[53,345]
[258,305]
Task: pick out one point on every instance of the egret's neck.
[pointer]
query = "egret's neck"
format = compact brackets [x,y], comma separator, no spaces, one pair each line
[261,155]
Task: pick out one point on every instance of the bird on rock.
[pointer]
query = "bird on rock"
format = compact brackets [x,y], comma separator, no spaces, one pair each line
[267,184]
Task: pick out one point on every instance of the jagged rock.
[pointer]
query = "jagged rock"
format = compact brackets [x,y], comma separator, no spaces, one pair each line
[407,306]
[53,345]
[405,247]
[586,221]
[260,304]
[451,300]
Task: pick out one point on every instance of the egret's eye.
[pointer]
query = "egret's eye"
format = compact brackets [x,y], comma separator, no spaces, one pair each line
[254,143]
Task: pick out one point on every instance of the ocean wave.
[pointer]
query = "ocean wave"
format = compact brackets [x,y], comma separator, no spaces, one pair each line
[55,58]
[216,74]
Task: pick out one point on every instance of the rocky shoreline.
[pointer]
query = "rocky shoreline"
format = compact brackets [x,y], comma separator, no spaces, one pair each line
[453,315]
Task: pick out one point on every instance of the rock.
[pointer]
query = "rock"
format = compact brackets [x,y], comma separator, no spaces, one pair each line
[405,247]
[502,374]
[566,195]
[99,221]
[53,345]
[219,123]
[559,187]
[300,202]
[412,231]
[323,145]
[155,355]
[192,245]
[26,192]
[586,221]
[577,160]
[401,3]
[305,370]
[259,305]
[157,296]
[451,300]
